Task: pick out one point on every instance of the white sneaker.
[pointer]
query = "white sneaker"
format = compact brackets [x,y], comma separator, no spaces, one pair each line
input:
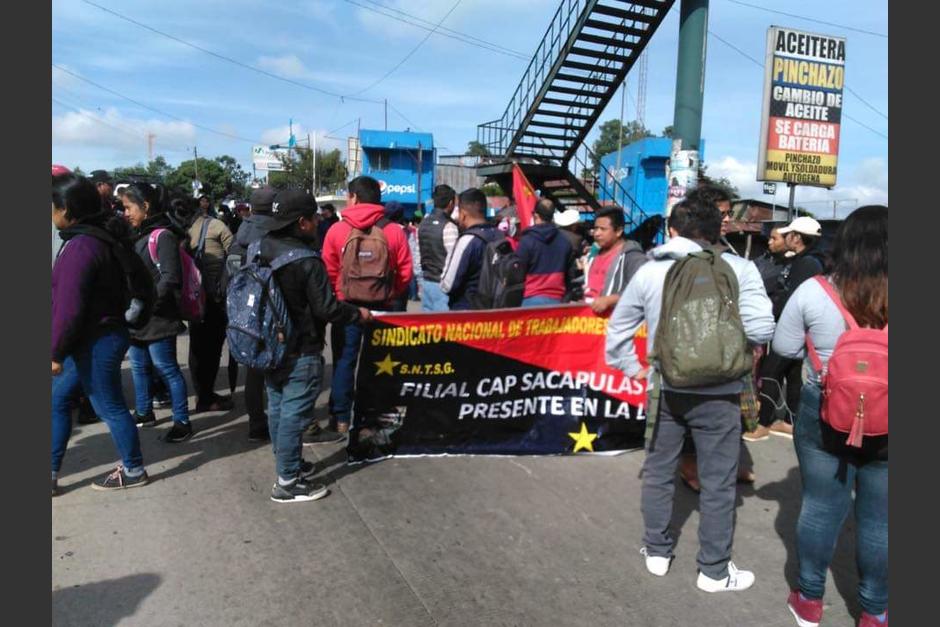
[735,581]
[657,565]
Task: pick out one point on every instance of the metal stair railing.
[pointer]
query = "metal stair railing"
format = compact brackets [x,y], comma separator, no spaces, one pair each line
[633,212]
[495,135]
[499,135]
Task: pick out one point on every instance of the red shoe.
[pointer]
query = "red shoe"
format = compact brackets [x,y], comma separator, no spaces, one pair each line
[868,620]
[807,612]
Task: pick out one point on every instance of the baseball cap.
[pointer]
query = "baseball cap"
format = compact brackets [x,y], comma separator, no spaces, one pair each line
[290,205]
[100,176]
[59,170]
[567,217]
[262,199]
[804,225]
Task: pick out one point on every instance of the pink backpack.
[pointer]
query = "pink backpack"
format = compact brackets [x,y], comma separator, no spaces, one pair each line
[855,379]
[192,296]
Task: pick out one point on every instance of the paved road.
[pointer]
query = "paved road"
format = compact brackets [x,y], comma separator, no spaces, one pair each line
[431,541]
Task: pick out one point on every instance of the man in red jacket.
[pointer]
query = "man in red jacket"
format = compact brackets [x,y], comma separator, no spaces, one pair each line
[362,212]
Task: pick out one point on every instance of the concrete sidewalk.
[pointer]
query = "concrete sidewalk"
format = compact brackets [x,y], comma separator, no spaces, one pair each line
[450,541]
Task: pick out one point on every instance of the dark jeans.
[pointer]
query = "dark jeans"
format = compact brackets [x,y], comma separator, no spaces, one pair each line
[159,355]
[254,399]
[96,369]
[715,425]
[292,396]
[774,371]
[828,482]
[205,350]
[345,343]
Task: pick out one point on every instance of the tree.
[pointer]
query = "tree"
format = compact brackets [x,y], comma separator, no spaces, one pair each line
[220,177]
[159,168]
[722,182]
[138,169]
[612,134]
[476,149]
[77,171]
[298,168]
[669,132]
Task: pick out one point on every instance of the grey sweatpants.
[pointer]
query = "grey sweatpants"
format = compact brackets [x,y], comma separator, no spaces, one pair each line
[715,426]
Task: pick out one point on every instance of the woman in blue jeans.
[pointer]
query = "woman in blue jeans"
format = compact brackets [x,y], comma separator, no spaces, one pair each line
[89,334]
[830,470]
[154,346]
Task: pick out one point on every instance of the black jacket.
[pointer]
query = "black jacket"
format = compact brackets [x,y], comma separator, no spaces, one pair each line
[770,266]
[251,230]
[166,320]
[805,265]
[309,296]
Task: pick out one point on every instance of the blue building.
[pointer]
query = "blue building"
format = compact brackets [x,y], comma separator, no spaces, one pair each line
[642,174]
[393,158]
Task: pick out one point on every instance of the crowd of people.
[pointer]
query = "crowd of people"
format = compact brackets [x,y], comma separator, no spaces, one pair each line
[336,270]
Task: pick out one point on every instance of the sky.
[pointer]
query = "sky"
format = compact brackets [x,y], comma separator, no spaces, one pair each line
[145,83]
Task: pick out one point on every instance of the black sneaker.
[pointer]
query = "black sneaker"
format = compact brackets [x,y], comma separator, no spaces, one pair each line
[179,432]
[259,435]
[162,401]
[145,421]
[216,403]
[318,435]
[86,413]
[298,492]
[118,480]
[55,486]
[307,470]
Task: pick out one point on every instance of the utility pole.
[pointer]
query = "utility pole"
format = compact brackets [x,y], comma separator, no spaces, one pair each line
[386,114]
[623,101]
[150,138]
[682,173]
[313,167]
[418,201]
[195,169]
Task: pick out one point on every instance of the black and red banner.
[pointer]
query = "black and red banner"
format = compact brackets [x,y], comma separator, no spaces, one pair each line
[502,382]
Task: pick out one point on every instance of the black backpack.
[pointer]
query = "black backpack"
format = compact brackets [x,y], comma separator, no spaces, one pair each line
[502,277]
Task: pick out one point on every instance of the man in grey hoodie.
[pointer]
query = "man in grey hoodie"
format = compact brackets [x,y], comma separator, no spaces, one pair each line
[712,414]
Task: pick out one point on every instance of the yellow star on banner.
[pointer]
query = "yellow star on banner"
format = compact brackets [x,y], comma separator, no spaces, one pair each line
[386,366]
[583,439]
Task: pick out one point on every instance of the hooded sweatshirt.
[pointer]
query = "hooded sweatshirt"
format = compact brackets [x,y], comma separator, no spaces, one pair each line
[87,293]
[363,216]
[643,297]
[547,258]
[166,320]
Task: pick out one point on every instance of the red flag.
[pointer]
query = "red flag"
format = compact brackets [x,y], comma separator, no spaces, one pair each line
[524,195]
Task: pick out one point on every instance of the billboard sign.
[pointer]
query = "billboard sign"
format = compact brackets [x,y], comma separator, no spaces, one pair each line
[804,75]
[267,159]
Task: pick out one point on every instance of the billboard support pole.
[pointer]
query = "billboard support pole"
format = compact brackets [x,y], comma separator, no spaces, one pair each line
[790,209]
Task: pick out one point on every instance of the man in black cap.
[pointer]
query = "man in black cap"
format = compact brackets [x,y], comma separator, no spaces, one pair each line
[251,230]
[105,185]
[293,388]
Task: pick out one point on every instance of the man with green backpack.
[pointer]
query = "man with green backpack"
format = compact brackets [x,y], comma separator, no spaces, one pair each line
[704,308]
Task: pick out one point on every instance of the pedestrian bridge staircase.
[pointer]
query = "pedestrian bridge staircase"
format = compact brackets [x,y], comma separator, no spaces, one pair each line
[585,55]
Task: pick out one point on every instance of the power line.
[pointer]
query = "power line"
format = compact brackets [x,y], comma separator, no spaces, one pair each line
[761,65]
[342,127]
[99,119]
[442,31]
[155,110]
[230,59]
[865,102]
[809,19]
[413,50]
[402,116]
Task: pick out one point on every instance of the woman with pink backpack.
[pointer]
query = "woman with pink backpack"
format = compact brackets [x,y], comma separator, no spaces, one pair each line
[841,429]
[154,346]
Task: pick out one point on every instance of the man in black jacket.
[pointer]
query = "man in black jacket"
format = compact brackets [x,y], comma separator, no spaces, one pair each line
[251,230]
[293,388]
[781,378]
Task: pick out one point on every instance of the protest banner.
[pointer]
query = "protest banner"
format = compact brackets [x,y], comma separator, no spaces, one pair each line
[500,382]
[802,110]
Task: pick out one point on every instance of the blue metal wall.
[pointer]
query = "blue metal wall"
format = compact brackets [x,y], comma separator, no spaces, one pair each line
[391,157]
[642,173]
